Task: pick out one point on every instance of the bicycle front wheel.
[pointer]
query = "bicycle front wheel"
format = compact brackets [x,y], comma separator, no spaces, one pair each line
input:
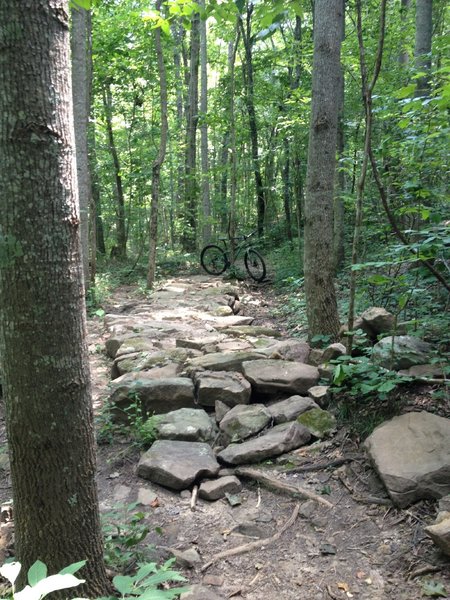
[255,265]
[213,259]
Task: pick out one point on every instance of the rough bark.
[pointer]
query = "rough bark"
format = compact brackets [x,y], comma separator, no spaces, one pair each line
[404,10]
[80,45]
[157,164]
[120,250]
[46,381]
[318,256]
[246,32]
[422,49]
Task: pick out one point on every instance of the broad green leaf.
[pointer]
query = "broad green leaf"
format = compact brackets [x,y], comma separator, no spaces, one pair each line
[387,386]
[405,92]
[144,571]
[10,571]
[73,568]
[48,585]
[123,584]
[37,572]
[433,589]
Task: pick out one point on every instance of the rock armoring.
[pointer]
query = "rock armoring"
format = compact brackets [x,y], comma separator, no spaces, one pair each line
[187,352]
[411,454]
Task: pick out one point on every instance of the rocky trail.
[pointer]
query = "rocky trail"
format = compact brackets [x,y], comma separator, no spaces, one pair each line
[250,484]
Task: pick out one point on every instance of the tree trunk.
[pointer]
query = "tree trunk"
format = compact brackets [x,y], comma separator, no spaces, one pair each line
[46,381]
[287,187]
[320,294]
[339,213]
[120,250]
[422,49]
[189,237]
[156,169]
[206,201]
[250,102]
[404,9]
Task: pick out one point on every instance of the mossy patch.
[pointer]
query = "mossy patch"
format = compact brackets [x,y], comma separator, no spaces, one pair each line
[319,422]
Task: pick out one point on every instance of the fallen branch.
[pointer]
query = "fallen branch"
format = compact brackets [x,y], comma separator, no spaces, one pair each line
[279,486]
[253,545]
[337,462]
[364,499]
[426,570]
[194,497]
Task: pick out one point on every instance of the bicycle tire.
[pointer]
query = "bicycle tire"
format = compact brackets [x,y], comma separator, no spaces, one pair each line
[213,259]
[255,265]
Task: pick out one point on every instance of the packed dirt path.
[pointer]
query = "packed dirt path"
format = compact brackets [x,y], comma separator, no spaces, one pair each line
[361,548]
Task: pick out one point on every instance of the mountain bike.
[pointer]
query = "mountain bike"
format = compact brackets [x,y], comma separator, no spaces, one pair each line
[217,258]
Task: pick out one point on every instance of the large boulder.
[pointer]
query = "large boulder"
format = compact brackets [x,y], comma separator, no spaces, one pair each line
[320,423]
[376,320]
[270,376]
[401,352]
[243,421]
[282,438]
[154,396]
[185,424]
[411,454]
[177,465]
[289,350]
[218,361]
[226,386]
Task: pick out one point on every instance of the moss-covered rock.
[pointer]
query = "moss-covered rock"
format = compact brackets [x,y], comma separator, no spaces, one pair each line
[320,422]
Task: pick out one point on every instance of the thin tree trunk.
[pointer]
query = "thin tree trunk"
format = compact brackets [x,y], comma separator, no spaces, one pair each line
[189,237]
[157,164]
[404,10]
[287,187]
[46,381]
[321,305]
[422,49]
[250,102]
[206,201]
[121,235]
[80,45]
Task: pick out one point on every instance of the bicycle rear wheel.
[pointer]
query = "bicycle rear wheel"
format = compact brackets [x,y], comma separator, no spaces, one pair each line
[255,265]
[213,259]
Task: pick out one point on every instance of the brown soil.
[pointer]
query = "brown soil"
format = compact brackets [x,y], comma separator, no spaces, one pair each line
[361,548]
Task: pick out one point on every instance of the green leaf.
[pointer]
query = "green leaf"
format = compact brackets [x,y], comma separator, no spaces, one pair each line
[405,92]
[387,386]
[37,572]
[86,4]
[433,588]
[48,585]
[240,4]
[73,568]
[123,584]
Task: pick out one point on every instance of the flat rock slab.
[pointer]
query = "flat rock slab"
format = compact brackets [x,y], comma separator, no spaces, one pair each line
[290,350]
[320,423]
[243,421]
[224,386]
[156,396]
[401,352]
[251,330]
[280,439]
[411,454]
[269,376]
[215,489]
[185,424]
[177,465]
[290,409]
[217,361]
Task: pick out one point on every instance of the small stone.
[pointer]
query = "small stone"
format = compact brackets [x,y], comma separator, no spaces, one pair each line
[121,492]
[146,496]
[320,395]
[440,534]
[333,351]
[216,489]
[221,410]
[307,509]
[216,580]
[185,494]
[199,592]
[186,559]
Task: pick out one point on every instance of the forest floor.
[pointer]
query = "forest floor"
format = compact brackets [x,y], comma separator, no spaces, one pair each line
[357,549]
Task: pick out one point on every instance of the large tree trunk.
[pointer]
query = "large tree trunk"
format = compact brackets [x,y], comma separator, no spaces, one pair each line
[157,164]
[189,237]
[246,32]
[321,303]
[80,46]
[422,49]
[46,379]
[120,250]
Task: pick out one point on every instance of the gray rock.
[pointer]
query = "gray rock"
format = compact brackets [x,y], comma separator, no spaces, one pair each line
[401,352]
[320,422]
[440,532]
[320,394]
[135,344]
[377,320]
[218,361]
[333,351]
[221,410]
[271,376]
[141,361]
[444,504]
[215,489]
[156,396]
[177,465]
[278,440]
[225,386]
[251,330]
[188,424]
[411,454]
[186,559]
[290,409]
[289,350]
[198,343]
[430,371]
[200,592]
[146,496]
[243,421]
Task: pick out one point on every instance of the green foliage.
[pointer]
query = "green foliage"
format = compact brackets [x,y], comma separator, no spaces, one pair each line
[40,584]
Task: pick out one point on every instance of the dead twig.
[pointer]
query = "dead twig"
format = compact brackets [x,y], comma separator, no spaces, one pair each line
[425,570]
[253,545]
[364,499]
[194,497]
[279,486]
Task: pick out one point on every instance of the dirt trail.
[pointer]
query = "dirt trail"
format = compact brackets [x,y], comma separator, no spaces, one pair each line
[358,549]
